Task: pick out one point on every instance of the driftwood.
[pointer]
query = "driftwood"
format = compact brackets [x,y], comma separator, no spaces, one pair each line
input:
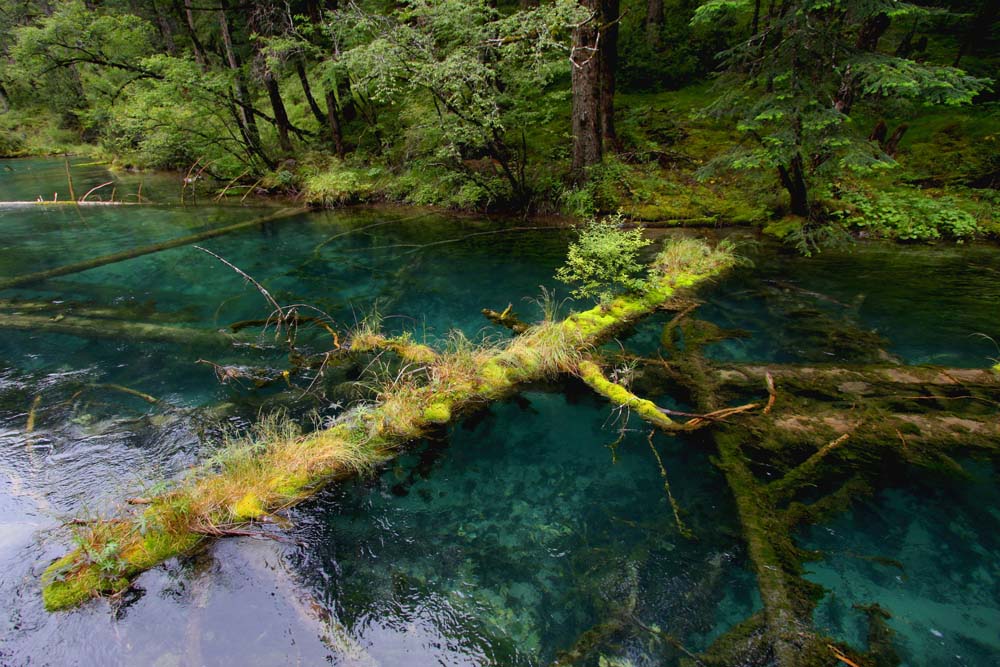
[76,267]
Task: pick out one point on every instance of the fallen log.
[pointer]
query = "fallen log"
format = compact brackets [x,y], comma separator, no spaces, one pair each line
[281,468]
[76,267]
[140,311]
[121,330]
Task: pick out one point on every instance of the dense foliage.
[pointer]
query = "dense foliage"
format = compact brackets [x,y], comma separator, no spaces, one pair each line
[824,109]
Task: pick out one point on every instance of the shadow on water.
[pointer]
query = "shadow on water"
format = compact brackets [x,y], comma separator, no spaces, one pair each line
[512,535]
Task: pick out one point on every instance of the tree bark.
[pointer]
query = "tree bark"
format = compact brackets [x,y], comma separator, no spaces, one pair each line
[586,85]
[333,120]
[871,32]
[196,46]
[166,31]
[244,109]
[280,114]
[609,63]
[300,70]
[654,22]
[794,181]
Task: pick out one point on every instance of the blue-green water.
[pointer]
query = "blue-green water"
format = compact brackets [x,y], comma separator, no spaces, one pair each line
[503,540]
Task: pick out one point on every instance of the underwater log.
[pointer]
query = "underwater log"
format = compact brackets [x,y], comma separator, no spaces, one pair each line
[76,267]
[121,330]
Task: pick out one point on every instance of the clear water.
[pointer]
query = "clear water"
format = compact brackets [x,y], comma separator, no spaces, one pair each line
[507,537]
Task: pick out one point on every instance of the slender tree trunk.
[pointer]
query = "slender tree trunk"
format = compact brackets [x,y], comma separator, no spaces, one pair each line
[300,70]
[871,31]
[196,46]
[244,109]
[979,28]
[166,30]
[278,105]
[4,100]
[333,120]
[608,63]
[586,85]
[654,22]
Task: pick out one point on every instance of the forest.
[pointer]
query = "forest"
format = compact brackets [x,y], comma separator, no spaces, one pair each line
[565,333]
[813,120]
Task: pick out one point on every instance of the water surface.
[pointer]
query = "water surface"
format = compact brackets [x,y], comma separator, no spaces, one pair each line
[503,539]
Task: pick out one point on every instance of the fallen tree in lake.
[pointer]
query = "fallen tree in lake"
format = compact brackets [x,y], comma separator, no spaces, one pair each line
[76,267]
[795,444]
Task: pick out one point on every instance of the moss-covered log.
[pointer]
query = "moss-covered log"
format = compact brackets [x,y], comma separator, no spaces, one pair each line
[281,469]
[76,267]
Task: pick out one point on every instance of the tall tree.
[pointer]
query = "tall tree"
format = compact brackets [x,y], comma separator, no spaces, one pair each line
[243,111]
[594,57]
[264,19]
[786,87]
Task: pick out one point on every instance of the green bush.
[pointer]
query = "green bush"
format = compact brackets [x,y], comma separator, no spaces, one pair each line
[908,215]
[341,184]
[603,260]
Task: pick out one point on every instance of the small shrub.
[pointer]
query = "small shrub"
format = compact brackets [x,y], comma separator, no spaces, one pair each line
[908,215]
[603,260]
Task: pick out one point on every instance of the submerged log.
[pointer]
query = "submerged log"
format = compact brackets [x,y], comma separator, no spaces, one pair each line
[282,468]
[76,267]
[122,330]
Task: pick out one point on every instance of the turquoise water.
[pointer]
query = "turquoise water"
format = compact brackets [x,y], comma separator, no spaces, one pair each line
[505,538]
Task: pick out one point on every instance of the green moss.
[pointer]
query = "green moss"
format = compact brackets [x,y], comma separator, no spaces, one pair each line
[780,229]
[62,591]
[438,413]
[289,485]
[156,547]
[494,376]
[248,507]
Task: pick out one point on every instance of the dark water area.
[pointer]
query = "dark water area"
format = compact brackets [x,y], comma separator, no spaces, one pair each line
[505,538]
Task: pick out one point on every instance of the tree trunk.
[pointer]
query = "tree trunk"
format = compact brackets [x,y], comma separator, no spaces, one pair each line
[4,100]
[333,120]
[280,114]
[871,32]
[794,181]
[586,86]
[300,70]
[654,22]
[244,109]
[608,63]
[892,145]
[978,30]
[196,46]
[166,31]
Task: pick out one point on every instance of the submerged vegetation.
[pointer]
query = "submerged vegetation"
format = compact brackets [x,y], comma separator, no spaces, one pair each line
[807,118]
